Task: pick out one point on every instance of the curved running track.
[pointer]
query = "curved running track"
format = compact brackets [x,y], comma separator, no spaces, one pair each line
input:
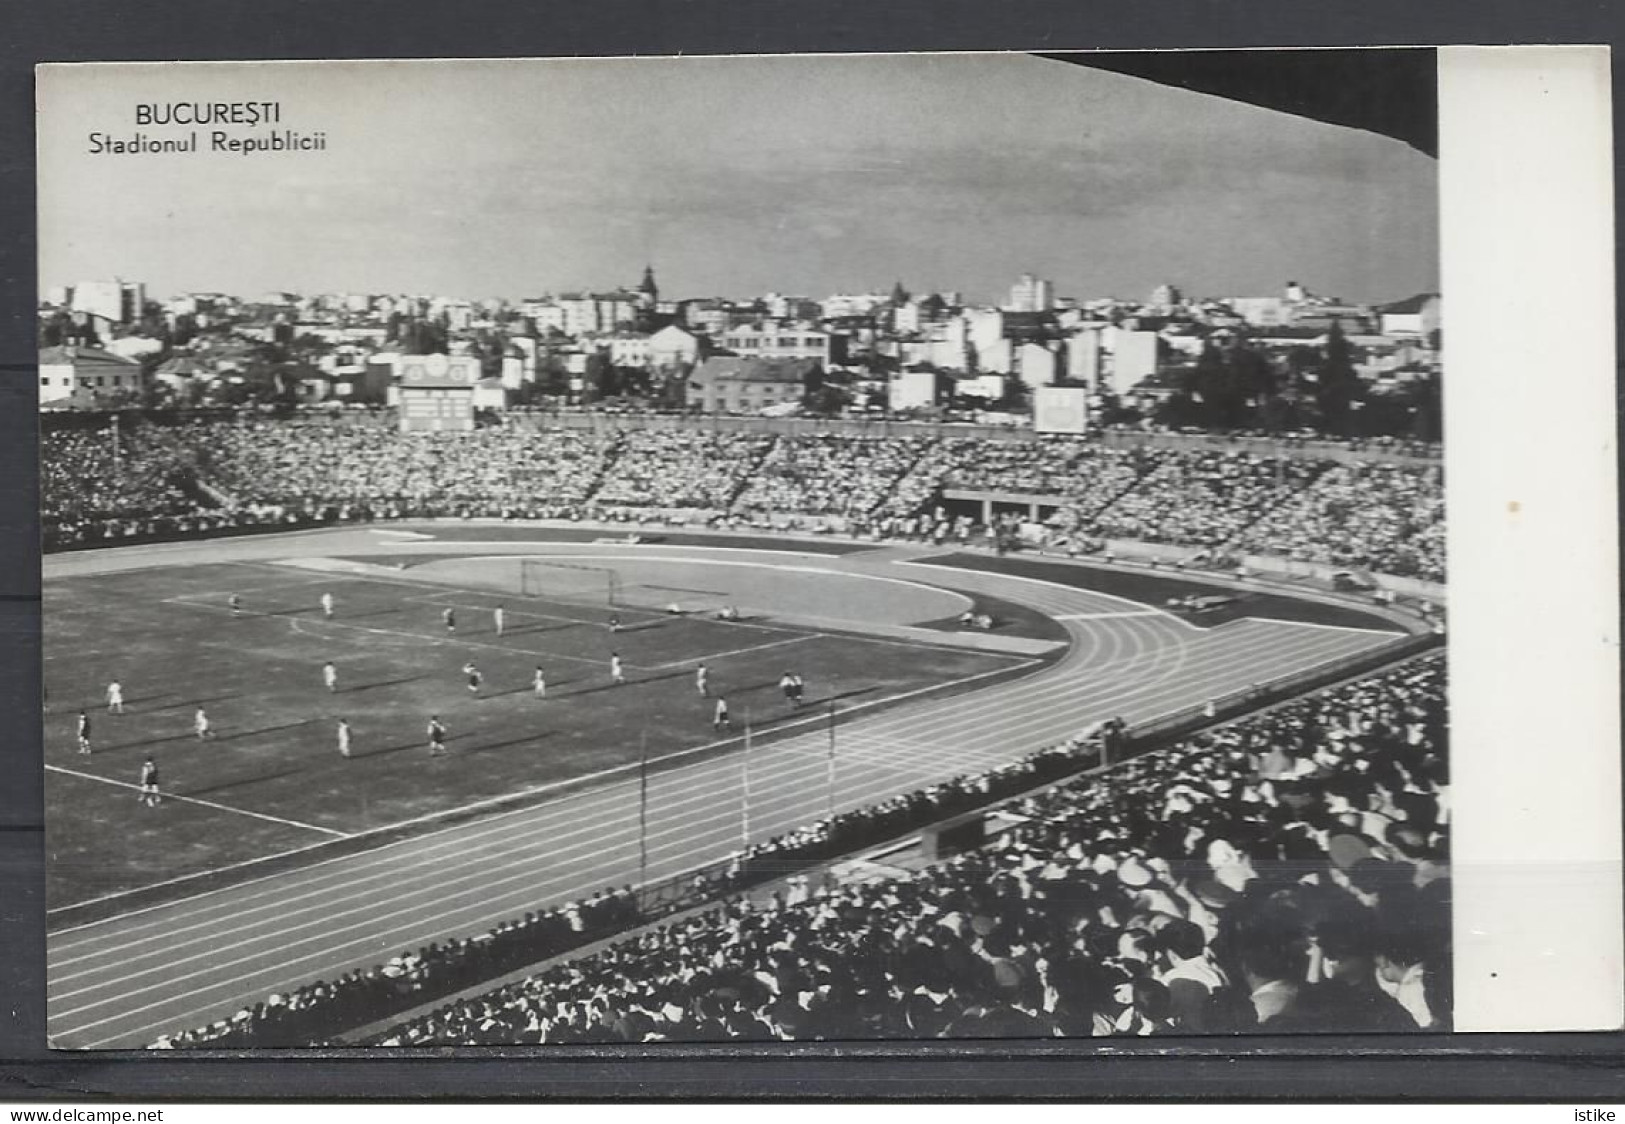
[122,981]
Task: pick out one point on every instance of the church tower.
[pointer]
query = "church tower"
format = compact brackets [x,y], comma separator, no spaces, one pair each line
[647,287]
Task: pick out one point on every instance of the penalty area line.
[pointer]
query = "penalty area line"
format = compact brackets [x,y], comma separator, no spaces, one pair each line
[204,803]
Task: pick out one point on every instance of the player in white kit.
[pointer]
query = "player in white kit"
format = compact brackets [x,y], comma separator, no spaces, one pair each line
[344,738]
[538,683]
[327,605]
[330,677]
[497,619]
[200,724]
[115,697]
[617,673]
[702,681]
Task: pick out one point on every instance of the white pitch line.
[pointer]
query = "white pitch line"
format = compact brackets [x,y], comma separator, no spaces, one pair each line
[802,639]
[204,803]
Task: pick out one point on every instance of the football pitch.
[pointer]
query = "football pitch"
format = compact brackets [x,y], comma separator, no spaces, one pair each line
[269,778]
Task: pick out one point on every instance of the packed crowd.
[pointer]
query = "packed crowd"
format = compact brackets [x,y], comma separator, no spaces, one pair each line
[1203,498]
[829,475]
[314,465]
[321,1009]
[1287,873]
[92,482]
[674,468]
[1378,516]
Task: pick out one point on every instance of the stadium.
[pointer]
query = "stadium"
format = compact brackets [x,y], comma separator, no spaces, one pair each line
[750,728]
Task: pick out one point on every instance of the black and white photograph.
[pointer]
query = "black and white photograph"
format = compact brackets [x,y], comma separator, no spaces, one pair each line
[745,549]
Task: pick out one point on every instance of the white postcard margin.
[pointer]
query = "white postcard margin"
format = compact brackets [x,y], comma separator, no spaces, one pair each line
[1526,221]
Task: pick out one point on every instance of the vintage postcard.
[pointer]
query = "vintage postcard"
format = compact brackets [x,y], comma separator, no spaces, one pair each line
[836,548]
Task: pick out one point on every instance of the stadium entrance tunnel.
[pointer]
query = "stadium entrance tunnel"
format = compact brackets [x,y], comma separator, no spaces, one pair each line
[768,588]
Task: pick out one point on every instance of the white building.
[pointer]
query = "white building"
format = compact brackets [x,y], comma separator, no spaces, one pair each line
[1263,312]
[1031,294]
[134,347]
[998,357]
[673,346]
[67,371]
[629,349]
[543,312]
[984,326]
[1134,357]
[586,313]
[118,301]
[1083,356]
[1417,317]
[774,341]
[1037,365]
[989,388]
[912,390]
[853,304]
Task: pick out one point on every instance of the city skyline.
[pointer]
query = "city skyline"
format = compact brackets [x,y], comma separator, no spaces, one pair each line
[945,172]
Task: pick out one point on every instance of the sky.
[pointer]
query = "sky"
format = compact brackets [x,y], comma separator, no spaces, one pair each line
[731,176]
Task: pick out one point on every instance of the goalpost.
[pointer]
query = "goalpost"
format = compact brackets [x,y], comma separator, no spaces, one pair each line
[574,581]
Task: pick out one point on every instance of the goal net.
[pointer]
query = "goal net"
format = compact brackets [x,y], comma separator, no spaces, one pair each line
[569,581]
[677,599]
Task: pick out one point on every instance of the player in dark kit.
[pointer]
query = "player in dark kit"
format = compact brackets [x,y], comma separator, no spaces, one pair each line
[474,678]
[450,619]
[437,736]
[84,732]
[149,794]
[236,604]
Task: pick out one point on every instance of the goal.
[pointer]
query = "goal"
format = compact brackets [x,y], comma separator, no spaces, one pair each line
[569,581]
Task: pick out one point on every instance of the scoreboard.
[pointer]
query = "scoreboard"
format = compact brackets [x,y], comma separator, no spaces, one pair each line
[1060,409]
[437,392]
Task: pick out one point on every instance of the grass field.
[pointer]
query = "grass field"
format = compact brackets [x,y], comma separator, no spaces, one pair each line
[271,779]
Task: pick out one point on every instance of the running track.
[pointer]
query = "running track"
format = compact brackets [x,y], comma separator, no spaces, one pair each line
[122,981]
